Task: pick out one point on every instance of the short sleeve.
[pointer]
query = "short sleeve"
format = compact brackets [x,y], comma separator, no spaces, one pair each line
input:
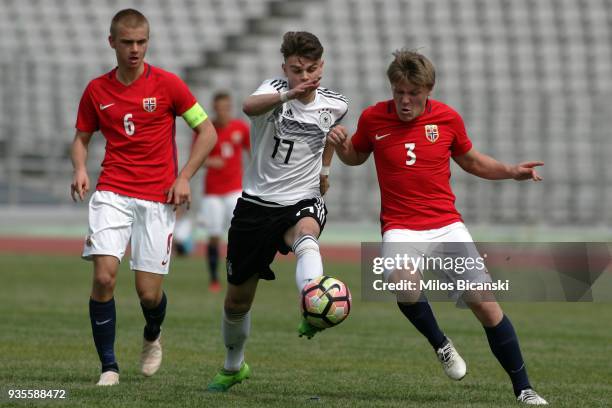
[87,116]
[271,86]
[361,142]
[461,142]
[343,113]
[182,98]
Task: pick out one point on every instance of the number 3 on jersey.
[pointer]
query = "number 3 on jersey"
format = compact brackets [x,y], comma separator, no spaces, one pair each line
[128,125]
[410,153]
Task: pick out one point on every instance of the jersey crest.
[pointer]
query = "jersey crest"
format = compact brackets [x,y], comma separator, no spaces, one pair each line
[431,133]
[325,119]
[236,137]
[149,104]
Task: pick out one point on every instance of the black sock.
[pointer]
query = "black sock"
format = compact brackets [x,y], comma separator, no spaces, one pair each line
[421,316]
[103,322]
[213,261]
[505,346]
[155,318]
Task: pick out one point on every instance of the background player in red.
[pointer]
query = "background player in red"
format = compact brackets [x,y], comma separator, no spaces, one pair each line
[134,107]
[222,183]
[413,138]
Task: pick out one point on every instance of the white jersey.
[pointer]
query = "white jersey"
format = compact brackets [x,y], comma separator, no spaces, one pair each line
[287,146]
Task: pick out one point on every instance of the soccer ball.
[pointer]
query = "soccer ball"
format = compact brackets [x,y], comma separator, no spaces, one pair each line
[326,302]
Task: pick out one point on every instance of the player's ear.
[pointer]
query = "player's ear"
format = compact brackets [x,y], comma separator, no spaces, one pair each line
[111,42]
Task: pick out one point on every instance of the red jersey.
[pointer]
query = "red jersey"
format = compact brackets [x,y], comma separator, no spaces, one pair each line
[138,124]
[231,140]
[413,163]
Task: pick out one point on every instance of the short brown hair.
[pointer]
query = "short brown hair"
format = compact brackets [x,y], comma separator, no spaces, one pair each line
[221,95]
[413,67]
[303,44]
[128,17]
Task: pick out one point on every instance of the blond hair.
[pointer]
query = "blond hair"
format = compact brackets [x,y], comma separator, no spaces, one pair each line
[412,67]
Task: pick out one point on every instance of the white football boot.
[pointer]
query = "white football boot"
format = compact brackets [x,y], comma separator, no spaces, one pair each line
[530,397]
[108,378]
[151,356]
[451,361]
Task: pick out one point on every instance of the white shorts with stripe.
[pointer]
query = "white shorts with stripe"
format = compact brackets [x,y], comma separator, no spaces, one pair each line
[116,220]
[451,241]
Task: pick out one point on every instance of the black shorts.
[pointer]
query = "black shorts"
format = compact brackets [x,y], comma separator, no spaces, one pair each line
[256,234]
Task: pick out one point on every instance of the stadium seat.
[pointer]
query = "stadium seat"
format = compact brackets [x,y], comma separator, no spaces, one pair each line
[530,78]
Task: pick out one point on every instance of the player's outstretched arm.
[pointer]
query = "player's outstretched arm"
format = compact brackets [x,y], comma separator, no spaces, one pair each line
[487,167]
[338,137]
[180,192]
[255,105]
[78,154]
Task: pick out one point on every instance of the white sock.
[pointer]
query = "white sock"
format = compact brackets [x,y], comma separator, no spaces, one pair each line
[309,264]
[235,329]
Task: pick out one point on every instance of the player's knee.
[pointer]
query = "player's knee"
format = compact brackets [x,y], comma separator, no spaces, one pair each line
[308,228]
[405,286]
[407,297]
[305,244]
[236,306]
[489,313]
[105,272]
[104,282]
[149,298]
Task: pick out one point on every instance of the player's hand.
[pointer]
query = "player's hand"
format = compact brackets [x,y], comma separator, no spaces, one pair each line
[80,185]
[179,193]
[304,88]
[214,162]
[323,184]
[526,171]
[337,136]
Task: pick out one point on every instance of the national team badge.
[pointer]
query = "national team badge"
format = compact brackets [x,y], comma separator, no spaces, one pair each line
[236,137]
[149,104]
[325,119]
[431,133]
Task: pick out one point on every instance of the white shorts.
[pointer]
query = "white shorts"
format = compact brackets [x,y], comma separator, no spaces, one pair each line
[455,232]
[216,212]
[115,220]
[452,241]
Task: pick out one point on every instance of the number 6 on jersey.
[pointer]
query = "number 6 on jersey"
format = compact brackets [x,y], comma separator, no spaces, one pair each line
[128,125]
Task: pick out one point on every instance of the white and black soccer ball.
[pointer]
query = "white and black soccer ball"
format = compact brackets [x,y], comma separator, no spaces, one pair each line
[325,302]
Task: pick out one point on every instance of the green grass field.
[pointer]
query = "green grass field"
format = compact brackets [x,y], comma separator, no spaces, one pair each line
[375,358]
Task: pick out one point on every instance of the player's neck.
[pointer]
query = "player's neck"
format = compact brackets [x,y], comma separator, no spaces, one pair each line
[308,98]
[221,123]
[127,75]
